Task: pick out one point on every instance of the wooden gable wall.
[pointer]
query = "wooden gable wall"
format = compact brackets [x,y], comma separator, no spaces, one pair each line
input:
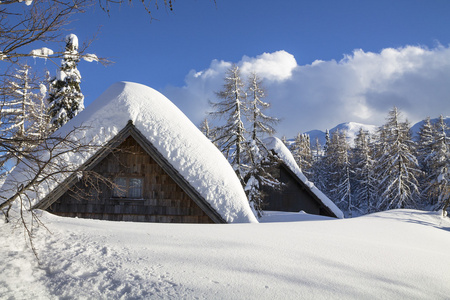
[163,200]
[293,196]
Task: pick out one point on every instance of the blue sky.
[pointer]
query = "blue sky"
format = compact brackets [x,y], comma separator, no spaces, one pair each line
[184,53]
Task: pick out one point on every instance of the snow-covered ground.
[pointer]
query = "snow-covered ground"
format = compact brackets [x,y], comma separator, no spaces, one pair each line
[400,254]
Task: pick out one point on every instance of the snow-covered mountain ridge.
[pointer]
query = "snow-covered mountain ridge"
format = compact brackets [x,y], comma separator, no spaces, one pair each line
[352,129]
[416,127]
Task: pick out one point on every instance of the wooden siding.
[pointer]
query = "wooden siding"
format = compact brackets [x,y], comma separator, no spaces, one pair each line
[293,196]
[163,199]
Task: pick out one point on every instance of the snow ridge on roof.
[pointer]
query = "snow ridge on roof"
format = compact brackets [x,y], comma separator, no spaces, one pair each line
[177,139]
[275,144]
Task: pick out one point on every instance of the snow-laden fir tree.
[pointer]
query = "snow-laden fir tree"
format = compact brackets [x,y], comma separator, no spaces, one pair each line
[340,171]
[325,174]
[23,116]
[396,165]
[207,130]
[365,181]
[65,97]
[14,107]
[327,140]
[317,154]
[425,140]
[258,175]
[437,188]
[16,103]
[285,142]
[424,143]
[320,171]
[258,159]
[296,149]
[39,117]
[317,150]
[230,137]
[301,150]
[260,123]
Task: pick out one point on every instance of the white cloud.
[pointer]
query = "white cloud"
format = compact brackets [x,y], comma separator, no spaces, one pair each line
[277,66]
[362,87]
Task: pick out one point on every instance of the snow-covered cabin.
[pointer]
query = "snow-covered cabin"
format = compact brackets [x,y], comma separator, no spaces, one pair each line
[160,166]
[297,193]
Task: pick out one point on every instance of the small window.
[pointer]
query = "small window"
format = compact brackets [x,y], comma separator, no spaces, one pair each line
[128,187]
[135,188]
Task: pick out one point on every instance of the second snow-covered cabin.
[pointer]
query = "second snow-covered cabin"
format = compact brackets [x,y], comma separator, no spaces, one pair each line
[160,167]
[297,193]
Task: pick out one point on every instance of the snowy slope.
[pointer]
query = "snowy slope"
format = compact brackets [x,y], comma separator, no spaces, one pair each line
[177,139]
[352,129]
[416,127]
[401,254]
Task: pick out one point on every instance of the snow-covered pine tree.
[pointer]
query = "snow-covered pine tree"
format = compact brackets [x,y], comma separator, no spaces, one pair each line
[39,117]
[253,178]
[206,129]
[301,150]
[437,188]
[230,137]
[65,97]
[425,141]
[284,140]
[316,167]
[322,173]
[21,118]
[317,149]
[340,171]
[296,149]
[327,141]
[15,105]
[260,123]
[329,176]
[365,183]
[258,159]
[396,165]
[308,156]
[258,175]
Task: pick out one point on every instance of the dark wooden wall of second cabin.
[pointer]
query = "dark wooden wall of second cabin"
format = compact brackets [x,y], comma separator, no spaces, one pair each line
[163,200]
[292,197]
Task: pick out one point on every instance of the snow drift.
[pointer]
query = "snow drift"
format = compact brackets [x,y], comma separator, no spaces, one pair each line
[401,254]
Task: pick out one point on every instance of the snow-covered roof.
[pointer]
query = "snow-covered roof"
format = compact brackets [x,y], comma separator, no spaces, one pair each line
[173,135]
[275,144]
